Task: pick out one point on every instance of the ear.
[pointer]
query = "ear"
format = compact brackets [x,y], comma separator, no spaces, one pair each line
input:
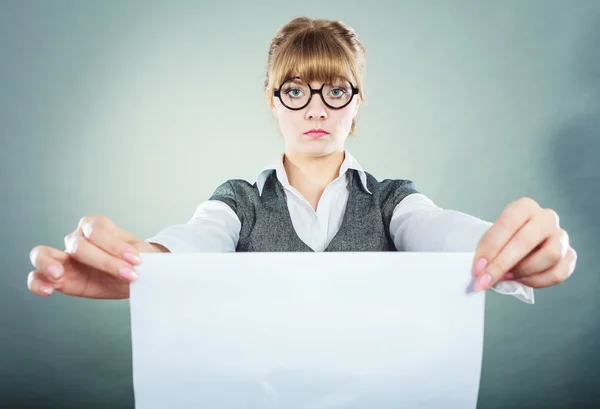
[356,108]
[268,94]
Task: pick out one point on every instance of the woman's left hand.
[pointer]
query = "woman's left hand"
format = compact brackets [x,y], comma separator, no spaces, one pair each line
[525,244]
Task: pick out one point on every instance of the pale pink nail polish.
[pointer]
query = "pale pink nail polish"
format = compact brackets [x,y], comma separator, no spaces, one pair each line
[133,258]
[46,289]
[128,274]
[479,266]
[54,271]
[508,276]
[483,282]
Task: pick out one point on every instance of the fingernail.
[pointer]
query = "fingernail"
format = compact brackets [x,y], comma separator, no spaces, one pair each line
[54,271]
[479,266]
[508,276]
[46,289]
[132,257]
[128,274]
[483,282]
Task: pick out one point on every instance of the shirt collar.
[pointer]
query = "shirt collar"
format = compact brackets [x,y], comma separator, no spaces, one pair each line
[277,165]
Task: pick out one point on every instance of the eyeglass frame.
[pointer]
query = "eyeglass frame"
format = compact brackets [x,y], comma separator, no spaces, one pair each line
[277,93]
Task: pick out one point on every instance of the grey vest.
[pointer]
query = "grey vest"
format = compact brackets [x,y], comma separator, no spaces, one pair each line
[267,225]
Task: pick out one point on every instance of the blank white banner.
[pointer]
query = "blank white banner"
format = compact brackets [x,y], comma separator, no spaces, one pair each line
[306,330]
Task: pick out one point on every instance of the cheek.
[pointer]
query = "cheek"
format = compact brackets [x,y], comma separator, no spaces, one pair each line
[289,121]
[343,119]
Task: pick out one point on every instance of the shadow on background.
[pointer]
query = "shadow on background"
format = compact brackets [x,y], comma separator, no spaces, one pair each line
[551,359]
[574,167]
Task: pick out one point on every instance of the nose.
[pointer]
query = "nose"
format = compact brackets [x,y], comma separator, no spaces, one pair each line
[316,108]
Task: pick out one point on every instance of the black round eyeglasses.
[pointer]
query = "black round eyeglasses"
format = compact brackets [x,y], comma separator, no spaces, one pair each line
[295,93]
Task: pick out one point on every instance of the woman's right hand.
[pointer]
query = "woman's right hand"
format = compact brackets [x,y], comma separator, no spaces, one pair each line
[98,262]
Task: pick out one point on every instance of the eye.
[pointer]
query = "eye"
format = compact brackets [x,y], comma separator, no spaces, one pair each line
[294,92]
[337,92]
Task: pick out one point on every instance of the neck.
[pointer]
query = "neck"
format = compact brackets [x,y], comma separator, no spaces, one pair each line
[312,172]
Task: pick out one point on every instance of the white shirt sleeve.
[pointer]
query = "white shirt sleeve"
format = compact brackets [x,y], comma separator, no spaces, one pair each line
[214,227]
[418,224]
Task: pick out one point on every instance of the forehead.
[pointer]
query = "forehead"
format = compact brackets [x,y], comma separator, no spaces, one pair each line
[313,81]
[313,70]
[317,81]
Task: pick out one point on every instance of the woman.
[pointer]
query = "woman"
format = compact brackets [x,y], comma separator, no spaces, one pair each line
[316,196]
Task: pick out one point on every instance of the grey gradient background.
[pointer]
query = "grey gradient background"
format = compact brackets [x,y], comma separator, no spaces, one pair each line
[138,110]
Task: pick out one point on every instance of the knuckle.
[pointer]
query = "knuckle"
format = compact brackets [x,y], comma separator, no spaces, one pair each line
[555,253]
[73,244]
[563,237]
[552,217]
[88,225]
[528,203]
[573,262]
[30,280]
[34,255]
[35,284]
[557,276]
[84,220]
[91,218]
[515,203]
[100,219]
[69,237]
[92,229]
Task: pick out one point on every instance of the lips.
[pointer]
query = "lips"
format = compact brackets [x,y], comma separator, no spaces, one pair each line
[316,132]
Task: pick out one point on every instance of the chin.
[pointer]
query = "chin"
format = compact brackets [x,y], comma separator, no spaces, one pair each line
[314,147]
[319,150]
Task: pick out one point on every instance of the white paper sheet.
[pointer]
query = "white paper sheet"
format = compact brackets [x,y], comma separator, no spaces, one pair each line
[306,330]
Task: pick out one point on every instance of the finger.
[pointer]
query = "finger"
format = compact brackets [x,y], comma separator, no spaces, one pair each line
[525,241]
[508,276]
[103,233]
[37,284]
[514,216]
[112,226]
[549,254]
[49,261]
[554,275]
[90,255]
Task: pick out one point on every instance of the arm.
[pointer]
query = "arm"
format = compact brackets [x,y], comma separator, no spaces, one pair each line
[418,224]
[214,227]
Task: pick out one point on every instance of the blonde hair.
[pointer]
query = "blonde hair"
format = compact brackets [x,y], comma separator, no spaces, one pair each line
[316,50]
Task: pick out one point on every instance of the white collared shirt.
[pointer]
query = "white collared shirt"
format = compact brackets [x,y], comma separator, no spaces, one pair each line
[417,224]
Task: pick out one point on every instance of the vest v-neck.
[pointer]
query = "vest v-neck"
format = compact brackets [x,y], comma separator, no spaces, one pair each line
[288,218]
[266,222]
